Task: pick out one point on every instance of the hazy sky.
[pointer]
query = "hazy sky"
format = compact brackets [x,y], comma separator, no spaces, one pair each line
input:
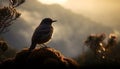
[102,11]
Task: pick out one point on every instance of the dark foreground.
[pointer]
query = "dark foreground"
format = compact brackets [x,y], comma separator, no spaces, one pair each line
[48,58]
[41,59]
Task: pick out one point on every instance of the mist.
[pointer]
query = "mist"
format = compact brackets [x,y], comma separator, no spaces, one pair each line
[103,11]
[69,32]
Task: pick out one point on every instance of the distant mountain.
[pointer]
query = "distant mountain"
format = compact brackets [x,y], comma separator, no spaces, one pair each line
[69,32]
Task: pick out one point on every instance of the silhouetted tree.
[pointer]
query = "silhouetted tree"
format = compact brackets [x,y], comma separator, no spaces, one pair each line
[95,41]
[101,52]
[101,49]
[8,14]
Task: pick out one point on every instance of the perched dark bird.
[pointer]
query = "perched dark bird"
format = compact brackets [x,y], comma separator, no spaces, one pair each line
[42,33]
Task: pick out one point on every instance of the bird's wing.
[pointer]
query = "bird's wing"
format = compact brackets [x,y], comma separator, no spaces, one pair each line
[42,33]
[45,31]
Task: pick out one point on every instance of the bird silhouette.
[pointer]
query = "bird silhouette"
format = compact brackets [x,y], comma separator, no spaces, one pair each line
[42,33]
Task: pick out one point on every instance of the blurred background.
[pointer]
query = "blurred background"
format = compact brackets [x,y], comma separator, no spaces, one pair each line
[77,19]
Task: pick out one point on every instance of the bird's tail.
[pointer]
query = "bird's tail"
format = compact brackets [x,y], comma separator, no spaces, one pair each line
[32,46]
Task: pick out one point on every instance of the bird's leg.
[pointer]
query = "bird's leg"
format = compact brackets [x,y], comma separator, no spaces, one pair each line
[44,45]
[40,46]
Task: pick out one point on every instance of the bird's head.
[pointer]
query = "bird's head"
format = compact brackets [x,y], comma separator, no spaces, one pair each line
[48,21]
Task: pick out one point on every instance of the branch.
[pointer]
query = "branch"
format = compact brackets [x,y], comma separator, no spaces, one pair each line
[7,15]
[16,3]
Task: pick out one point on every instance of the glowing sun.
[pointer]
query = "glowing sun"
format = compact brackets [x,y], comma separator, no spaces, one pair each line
[53,1]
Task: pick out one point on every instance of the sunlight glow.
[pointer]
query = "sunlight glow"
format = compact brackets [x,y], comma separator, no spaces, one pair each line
[53,1]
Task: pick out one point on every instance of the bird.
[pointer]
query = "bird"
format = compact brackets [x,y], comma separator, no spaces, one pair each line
[42,33]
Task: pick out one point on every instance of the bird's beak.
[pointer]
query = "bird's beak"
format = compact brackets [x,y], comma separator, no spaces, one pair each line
[54,21]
